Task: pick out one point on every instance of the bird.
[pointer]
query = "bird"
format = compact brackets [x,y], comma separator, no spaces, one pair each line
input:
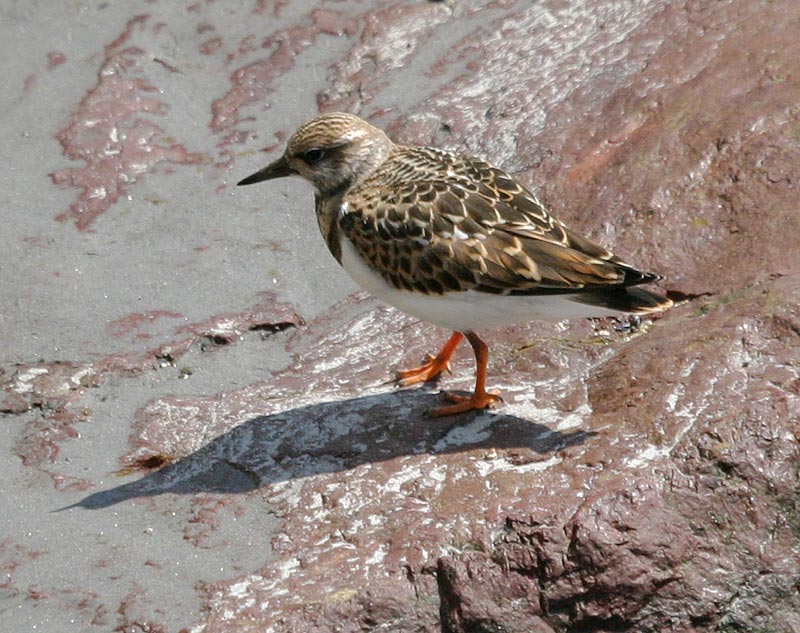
[452,240]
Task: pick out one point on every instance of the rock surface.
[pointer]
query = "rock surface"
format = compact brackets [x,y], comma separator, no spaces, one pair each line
[213,416]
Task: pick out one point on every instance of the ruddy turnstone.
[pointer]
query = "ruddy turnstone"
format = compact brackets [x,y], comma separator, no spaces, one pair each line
[452,240]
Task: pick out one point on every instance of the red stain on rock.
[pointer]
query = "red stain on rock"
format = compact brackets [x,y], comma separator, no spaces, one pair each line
[280,138]
[202,528]
[36,241]
[71,484]
[134,323]
[211,46]
[14,556]
[273,7]
[42,441]
[132,613]
[113,133]
[223,329]
[27,84]
[390,38]
[254,82]
[54,58]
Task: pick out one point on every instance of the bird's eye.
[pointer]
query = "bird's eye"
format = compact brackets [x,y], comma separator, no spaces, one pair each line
[314,155]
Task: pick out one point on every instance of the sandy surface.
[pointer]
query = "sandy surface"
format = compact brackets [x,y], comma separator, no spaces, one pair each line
[177,246]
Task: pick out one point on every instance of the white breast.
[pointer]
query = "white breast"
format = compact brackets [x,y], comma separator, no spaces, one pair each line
[465,311]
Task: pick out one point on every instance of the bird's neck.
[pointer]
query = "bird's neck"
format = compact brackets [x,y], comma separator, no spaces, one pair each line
[329,211]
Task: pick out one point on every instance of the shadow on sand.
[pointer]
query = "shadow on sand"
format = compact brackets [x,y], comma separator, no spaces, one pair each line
[334,436]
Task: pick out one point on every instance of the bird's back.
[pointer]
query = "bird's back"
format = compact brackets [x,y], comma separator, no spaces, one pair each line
[434,222]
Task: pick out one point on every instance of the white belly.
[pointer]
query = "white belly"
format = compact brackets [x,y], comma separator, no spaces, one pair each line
[465,311]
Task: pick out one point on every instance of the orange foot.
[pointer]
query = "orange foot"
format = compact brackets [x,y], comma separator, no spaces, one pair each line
[429,370]
[474,402]
[433,365]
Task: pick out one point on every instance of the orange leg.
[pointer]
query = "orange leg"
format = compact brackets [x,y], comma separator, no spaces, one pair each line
[433,366]
[480,398]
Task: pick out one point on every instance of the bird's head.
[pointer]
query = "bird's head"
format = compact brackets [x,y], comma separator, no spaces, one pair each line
[333,152]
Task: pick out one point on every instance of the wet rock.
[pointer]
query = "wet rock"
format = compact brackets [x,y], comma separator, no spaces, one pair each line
[669,496]
[633,479]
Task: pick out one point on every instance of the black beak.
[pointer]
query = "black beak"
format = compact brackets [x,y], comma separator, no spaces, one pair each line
[278,169]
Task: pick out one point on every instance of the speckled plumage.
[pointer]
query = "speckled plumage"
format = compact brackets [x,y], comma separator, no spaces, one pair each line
[448,223]
[450,238]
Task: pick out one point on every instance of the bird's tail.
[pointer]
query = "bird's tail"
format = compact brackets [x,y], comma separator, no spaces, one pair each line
[630,300]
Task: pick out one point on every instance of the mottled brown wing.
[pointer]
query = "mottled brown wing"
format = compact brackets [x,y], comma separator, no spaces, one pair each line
[478,229]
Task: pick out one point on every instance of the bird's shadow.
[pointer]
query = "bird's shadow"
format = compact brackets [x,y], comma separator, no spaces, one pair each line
[335,436]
